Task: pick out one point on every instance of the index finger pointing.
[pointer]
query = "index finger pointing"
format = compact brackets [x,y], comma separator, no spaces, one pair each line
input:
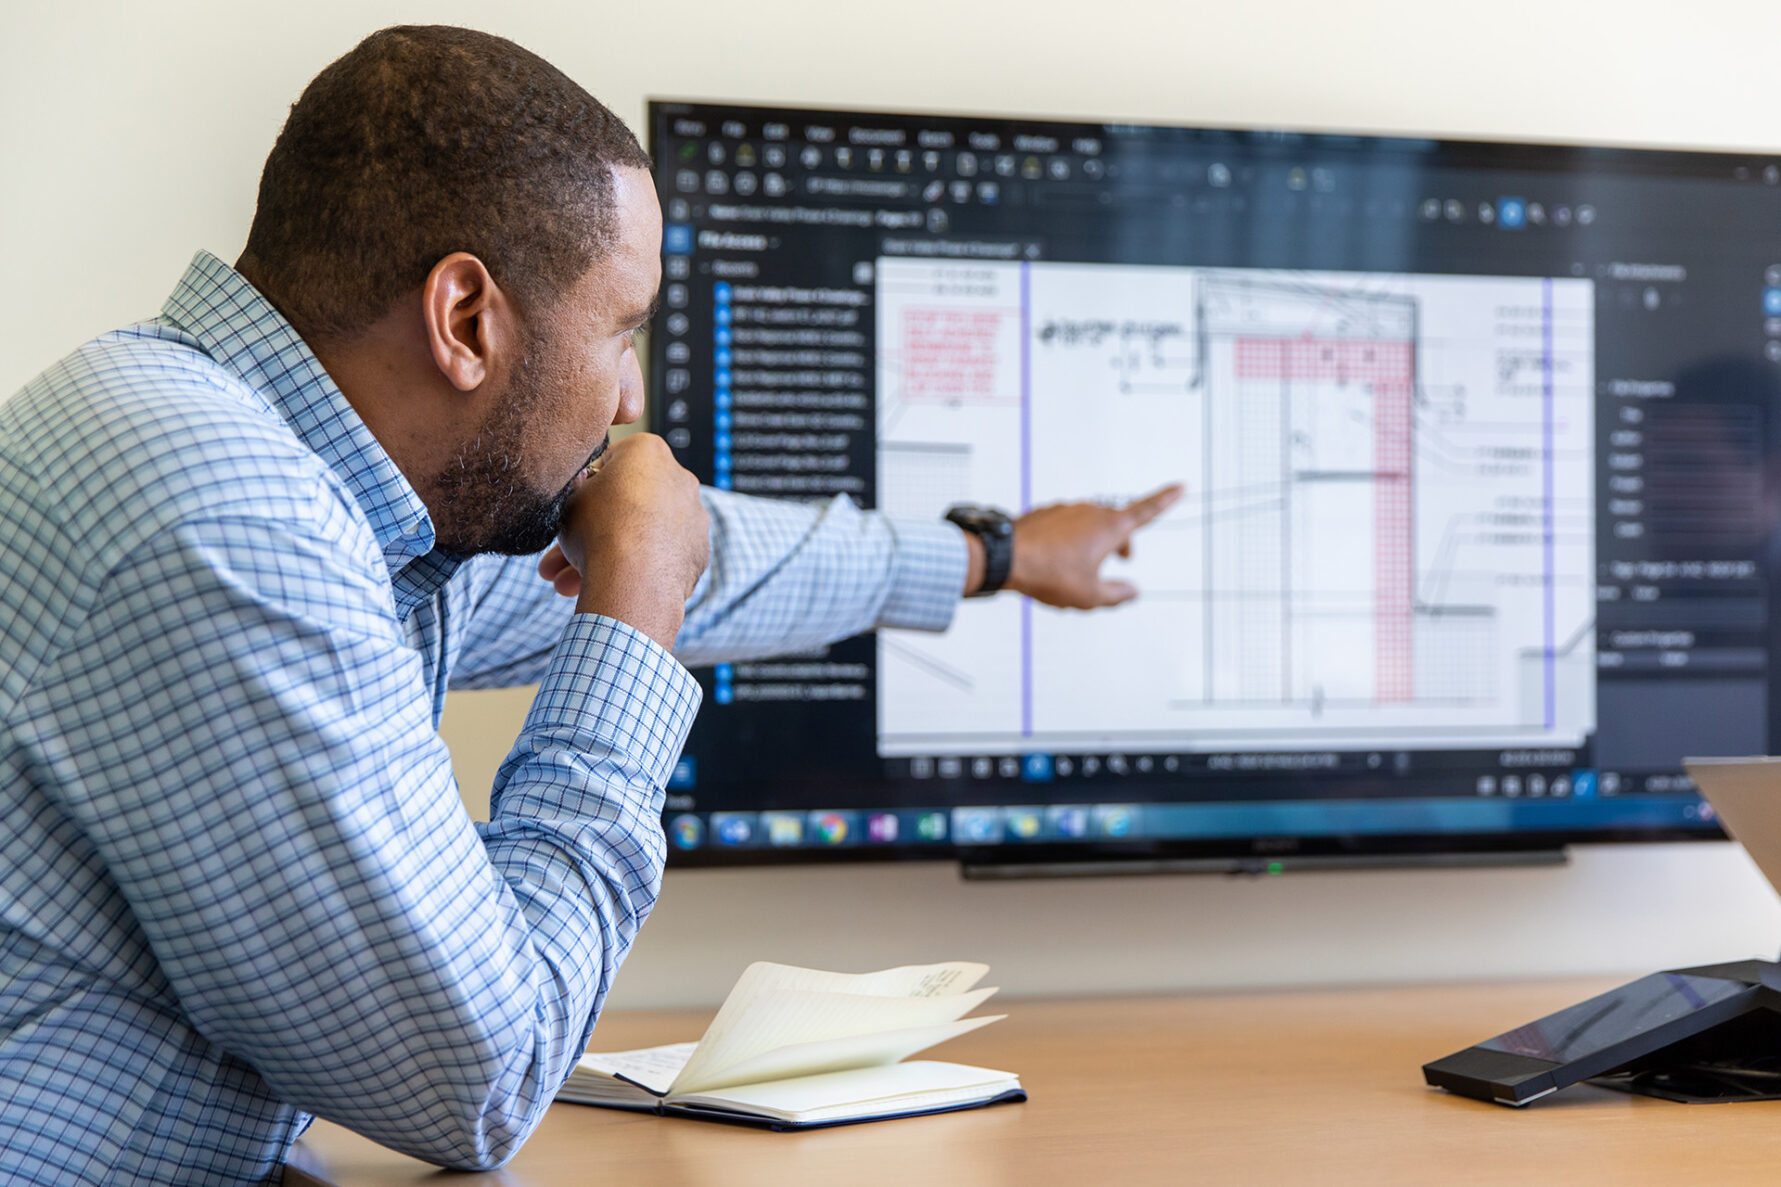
[1142,511]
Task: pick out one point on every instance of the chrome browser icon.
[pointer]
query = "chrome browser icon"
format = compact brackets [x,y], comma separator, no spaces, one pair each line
[830,828]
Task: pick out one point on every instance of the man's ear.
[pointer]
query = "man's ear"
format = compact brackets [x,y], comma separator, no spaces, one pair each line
[470,322]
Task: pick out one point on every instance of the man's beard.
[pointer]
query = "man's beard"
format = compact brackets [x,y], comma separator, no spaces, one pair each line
[483,504]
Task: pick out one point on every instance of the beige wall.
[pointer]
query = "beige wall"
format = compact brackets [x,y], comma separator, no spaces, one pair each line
[133,133]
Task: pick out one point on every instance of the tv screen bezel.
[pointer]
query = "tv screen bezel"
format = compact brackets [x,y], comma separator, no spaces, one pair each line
[1261,853]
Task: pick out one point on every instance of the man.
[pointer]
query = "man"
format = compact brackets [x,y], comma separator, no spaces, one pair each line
[245,549]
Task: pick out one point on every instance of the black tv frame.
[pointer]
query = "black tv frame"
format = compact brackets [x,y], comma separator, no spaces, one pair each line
[1268,854]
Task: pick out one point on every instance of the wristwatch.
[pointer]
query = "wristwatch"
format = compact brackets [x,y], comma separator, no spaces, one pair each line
[996,530]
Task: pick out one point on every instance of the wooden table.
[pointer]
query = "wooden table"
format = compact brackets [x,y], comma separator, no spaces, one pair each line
[1281,1087]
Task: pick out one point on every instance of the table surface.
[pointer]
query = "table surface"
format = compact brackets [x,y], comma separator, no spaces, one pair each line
[1289,1086]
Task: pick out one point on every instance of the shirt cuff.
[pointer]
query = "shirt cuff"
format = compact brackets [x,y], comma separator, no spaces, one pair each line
[615,696]
[929,576]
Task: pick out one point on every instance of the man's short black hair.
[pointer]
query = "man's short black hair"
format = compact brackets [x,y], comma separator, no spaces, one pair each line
[422,141]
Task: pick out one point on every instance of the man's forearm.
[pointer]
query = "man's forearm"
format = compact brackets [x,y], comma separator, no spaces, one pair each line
[788,576]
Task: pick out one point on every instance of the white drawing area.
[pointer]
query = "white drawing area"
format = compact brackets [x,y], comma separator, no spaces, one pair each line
[1388,536]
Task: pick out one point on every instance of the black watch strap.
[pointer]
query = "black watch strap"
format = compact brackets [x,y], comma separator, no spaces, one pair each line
[996,530]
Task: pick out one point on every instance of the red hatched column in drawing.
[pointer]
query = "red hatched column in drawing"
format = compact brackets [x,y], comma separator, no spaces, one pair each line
[1386,367]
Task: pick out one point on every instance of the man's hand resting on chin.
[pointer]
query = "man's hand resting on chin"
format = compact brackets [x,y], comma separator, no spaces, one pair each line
[640,515]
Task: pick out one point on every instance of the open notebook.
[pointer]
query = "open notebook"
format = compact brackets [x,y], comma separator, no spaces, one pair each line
[793,1048]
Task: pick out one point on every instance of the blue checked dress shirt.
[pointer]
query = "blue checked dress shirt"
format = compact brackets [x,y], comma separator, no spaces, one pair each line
[237,884]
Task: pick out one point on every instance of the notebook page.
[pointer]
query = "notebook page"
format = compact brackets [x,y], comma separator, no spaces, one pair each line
[779,1019]
[864,1091]
[918,980]
[653,1068]
[839,1055]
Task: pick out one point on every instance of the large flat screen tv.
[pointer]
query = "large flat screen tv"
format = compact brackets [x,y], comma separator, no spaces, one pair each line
[1478,440]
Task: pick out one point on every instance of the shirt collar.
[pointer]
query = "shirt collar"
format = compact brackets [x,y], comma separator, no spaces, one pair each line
[243,333]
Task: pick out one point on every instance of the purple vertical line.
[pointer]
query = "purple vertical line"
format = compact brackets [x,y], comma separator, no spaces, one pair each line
[1026,489]
[1546,396]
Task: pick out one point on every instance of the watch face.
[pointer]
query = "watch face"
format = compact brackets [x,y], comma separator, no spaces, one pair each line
[980,519]
[996,531]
